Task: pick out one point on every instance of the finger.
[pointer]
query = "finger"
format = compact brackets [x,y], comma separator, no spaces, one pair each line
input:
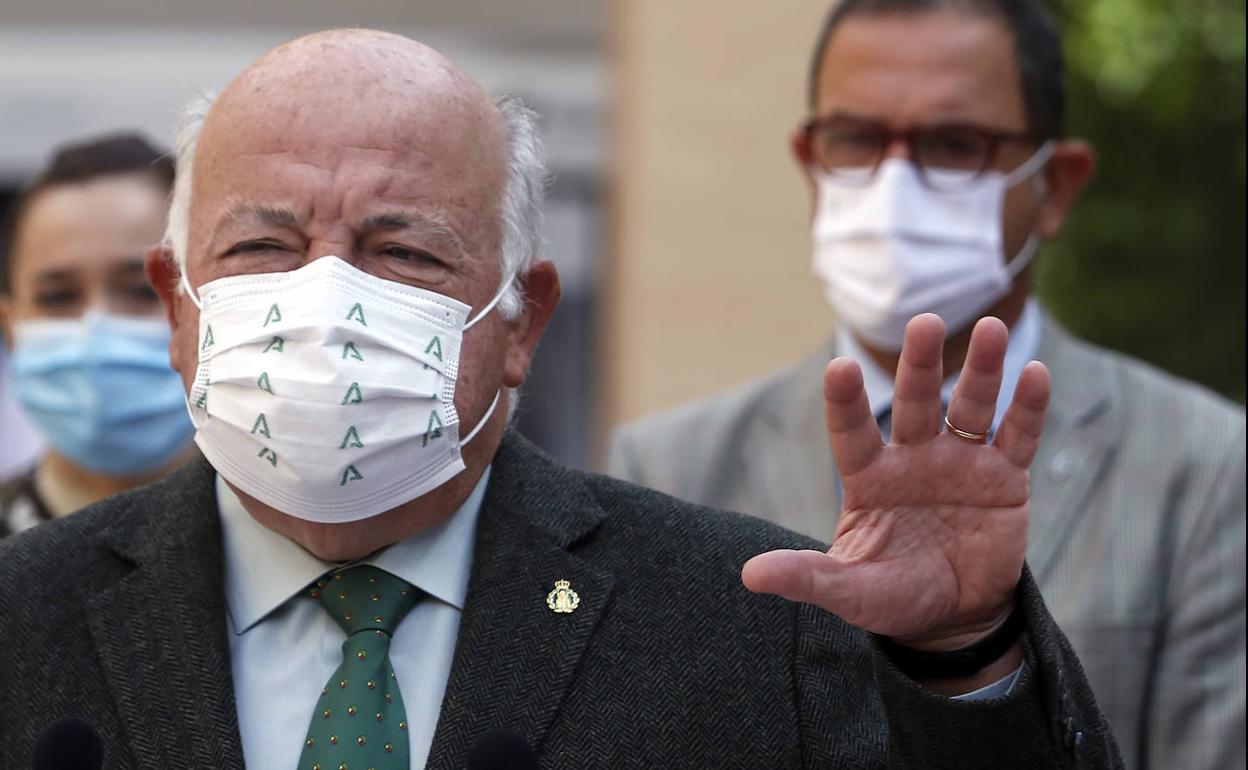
[1023,423]
[852,430]
[974,400]
[916,396]
[801,576]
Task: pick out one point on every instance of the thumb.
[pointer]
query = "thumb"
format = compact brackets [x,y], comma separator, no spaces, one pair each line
[813,577]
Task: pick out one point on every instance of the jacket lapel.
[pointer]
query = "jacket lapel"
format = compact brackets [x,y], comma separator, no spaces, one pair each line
[1077,445]
[803,490]
[160,629]
[515,657]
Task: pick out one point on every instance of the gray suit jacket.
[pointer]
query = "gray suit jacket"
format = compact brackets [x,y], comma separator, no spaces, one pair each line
[116,614]
[1137,527]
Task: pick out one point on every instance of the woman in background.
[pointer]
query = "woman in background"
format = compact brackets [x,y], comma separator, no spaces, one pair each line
[88,342]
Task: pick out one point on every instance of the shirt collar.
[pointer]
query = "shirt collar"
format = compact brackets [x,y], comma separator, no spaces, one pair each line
[1022,347]
[264,569]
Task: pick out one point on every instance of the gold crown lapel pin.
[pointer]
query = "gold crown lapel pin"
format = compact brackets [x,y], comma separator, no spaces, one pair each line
[563,599]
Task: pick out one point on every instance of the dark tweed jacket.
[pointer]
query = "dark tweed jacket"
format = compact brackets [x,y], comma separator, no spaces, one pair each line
[116,614]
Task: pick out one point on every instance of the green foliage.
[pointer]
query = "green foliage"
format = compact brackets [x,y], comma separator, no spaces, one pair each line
[1151,261]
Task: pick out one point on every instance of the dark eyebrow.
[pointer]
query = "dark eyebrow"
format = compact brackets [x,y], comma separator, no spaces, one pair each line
[434,226]
[54,275]
[129,266]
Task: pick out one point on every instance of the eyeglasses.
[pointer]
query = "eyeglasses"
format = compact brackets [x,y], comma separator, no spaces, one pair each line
[948,157]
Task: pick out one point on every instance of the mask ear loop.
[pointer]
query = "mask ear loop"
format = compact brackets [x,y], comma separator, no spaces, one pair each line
[488,413]
[190,293]
[1028,169]
[497,298]
[186,289]
[1023,257]
[1030,166]
[493,404]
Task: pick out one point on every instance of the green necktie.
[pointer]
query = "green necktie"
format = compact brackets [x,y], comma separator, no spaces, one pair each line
[359,723]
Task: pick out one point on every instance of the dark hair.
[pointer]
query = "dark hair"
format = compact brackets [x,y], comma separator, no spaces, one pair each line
[1037,48]
[83,161]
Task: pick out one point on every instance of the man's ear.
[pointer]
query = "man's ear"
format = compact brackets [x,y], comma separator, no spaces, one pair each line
[1067,173]
[164,276]
[540,286]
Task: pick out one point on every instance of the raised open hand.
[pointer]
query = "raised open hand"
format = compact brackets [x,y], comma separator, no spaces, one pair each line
[930,544]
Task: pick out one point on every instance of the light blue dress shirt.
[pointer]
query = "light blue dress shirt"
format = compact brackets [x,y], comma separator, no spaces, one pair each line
[1019,351]
[284,646]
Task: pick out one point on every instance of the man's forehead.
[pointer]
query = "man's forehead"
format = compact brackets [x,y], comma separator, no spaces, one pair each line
[944,61]
[360,89]
[324,124]
[341,180]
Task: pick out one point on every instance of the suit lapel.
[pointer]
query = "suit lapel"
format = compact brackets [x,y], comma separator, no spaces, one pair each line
[160,630]
[1078,443]
[803,490]
[515,657]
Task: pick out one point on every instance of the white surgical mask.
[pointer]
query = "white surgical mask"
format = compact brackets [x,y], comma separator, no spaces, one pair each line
[328,393]
[894,248]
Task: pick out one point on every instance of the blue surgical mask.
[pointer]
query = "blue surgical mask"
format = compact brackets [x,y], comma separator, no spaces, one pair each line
[101,391]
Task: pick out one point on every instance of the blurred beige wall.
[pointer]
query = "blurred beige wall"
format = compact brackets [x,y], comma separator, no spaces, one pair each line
[707,282]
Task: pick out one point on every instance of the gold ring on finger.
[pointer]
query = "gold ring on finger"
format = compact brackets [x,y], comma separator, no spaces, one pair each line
[978,438]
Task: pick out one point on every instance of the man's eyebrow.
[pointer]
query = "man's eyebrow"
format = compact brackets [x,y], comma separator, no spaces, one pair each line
[262,213]
[53,275]
[424,224]
[128,267]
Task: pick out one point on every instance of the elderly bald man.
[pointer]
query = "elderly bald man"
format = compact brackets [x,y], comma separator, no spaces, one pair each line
[368,569]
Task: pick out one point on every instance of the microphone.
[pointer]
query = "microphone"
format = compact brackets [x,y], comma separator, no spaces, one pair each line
[69,744]
[501,750]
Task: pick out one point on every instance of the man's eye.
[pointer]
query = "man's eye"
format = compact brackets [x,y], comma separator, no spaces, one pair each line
[408,255]
[253,247]
[57,297]
[140,291]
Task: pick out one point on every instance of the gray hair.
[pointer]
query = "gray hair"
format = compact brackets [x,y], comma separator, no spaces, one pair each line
[520,212]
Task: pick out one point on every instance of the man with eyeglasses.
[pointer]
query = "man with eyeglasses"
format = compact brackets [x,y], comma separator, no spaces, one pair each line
[937,163]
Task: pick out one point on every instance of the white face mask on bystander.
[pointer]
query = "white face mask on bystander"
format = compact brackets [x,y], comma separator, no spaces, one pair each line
[891,249]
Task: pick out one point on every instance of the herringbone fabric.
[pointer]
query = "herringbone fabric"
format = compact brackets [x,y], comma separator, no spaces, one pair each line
[359,718]
[667,661]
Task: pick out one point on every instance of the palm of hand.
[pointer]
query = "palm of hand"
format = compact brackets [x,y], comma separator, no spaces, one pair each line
[929,547]
[930,535]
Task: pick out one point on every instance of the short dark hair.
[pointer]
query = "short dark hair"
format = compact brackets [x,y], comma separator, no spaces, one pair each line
[83,161]
[1037,48]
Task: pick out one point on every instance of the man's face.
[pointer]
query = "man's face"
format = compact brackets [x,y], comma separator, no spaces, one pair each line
[371,148]
[913,70]
[80,247]
[406,192]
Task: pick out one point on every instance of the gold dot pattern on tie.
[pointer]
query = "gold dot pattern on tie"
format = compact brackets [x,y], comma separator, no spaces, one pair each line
[359,719]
